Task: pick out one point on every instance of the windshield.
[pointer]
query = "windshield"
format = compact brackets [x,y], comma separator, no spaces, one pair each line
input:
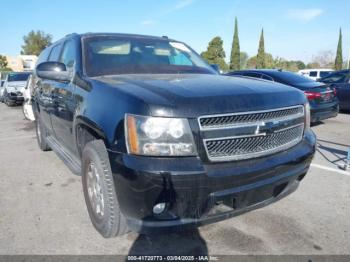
[18,77]
[109,55]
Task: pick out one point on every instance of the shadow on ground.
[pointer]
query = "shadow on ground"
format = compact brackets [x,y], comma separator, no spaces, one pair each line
[334,153]
[180,244]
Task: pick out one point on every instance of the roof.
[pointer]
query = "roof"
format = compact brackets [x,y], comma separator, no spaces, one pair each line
[90,34]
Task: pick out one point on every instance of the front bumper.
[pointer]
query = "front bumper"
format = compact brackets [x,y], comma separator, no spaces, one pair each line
[322,112]
[15,98]
[198,193]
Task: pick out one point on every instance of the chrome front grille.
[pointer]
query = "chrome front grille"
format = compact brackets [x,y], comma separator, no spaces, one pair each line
[243,147]
[226,120]
[255,134]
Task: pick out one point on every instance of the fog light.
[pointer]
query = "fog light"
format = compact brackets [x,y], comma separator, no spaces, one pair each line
[159,208]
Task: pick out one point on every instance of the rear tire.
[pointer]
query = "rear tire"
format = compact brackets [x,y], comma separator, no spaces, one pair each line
[41,134]
[99,191]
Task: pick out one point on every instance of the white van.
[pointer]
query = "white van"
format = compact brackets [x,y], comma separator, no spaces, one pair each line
[315,74]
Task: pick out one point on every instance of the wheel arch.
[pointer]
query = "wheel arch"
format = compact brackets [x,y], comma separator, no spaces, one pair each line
[85,131]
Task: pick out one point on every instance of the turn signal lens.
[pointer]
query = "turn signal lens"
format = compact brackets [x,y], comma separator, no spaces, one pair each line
[132,134]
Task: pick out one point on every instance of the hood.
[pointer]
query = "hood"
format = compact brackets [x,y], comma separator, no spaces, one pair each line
[16,86]
[192,95]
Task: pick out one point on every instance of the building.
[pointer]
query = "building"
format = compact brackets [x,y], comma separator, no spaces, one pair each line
[22,62]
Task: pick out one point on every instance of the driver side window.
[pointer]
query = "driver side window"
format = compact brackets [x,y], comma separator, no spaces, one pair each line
[68,55]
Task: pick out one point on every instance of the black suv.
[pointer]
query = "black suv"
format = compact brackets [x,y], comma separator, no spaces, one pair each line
[161,140]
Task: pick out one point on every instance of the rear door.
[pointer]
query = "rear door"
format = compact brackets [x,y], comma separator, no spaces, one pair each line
[63,100]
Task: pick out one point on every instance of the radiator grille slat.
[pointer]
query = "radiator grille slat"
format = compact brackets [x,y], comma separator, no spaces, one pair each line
[220,121]
[245,147]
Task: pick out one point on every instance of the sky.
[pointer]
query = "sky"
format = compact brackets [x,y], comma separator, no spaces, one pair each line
[293,29]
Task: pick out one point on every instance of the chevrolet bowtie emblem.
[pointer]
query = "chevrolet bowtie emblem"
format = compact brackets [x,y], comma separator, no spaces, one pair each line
[257,130]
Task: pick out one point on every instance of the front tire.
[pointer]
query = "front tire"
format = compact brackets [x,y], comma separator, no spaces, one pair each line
[99,191]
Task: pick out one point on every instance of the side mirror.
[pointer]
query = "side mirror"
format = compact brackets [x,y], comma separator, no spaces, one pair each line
[53,71]
[216,68]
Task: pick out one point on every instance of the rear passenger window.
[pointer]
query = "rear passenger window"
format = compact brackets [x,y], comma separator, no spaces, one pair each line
[255,75]
[267,77]
[313,73]
[55,53]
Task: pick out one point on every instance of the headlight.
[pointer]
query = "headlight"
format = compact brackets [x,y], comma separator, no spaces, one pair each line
[307,116]
[158,136]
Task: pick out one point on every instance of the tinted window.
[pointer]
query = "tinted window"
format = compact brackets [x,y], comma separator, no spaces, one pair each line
[335,78]
[313,73]
[289,78]
[325,73]
[107,55]
[43,55]
[55,53]
[17,77]
[267,77]
[68,54]
[235,74]
[250,74]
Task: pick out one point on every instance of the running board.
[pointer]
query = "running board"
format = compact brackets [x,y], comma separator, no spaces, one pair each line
[71,161]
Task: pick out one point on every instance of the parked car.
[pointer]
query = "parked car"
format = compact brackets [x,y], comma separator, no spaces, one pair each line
[340,81]
[162,141]
[27,95]
[2,88]
[323,101]
[315,74]
[14,87]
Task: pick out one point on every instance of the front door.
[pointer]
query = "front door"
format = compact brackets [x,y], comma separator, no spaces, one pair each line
[64,101]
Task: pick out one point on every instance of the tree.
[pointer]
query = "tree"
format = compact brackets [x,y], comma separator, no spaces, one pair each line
[235,51]
[3,62]
[251,63]
[215,53]
[338,65]
[260,59]
[300,64]
[35,42]
[313,65]
[325,59]
[243,60]
[269,61]
[291,65]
